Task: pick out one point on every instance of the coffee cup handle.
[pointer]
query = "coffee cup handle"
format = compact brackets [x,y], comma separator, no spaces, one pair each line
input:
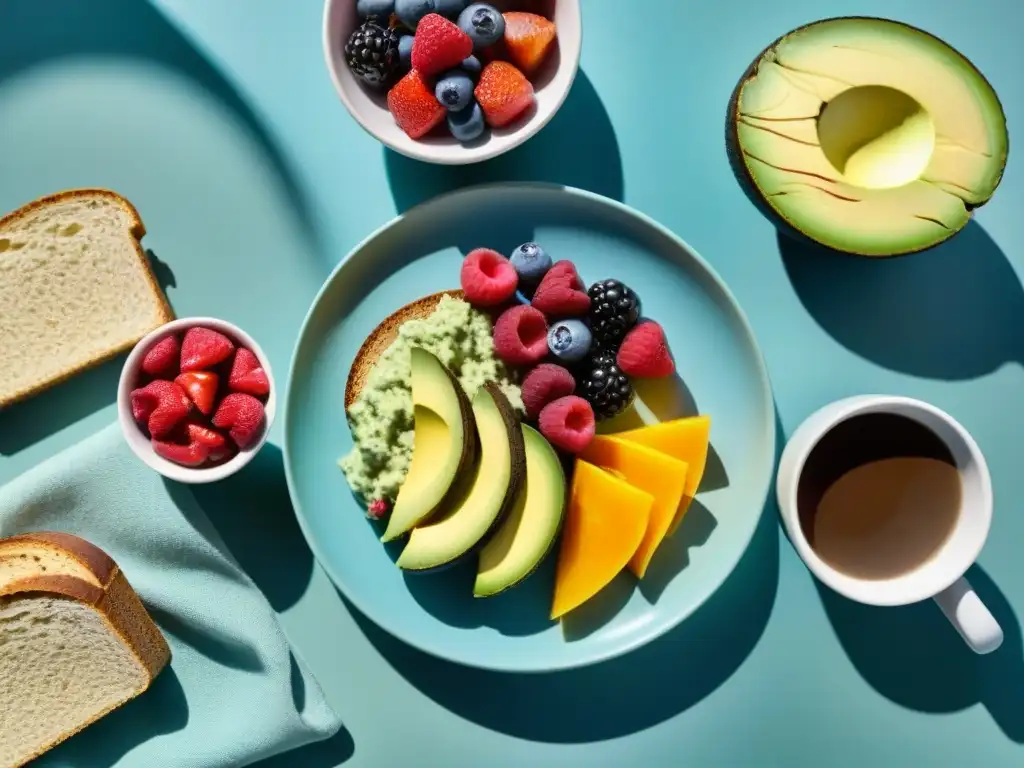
[965,611]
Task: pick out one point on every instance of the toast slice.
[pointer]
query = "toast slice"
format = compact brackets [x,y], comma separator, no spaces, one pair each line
[75,642]
[75,288]
[383,335]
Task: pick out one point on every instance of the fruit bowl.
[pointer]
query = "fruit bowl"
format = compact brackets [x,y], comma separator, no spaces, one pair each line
[234,454]
[551,82]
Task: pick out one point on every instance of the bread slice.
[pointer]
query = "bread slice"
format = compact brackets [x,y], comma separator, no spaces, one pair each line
[75,288]
[381,337]
[75,642]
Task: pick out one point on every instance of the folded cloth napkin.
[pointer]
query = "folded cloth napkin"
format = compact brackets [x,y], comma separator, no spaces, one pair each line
[234,693]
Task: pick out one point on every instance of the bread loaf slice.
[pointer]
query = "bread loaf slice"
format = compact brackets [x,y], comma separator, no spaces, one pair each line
[75,288]
[383,335]
[75,642]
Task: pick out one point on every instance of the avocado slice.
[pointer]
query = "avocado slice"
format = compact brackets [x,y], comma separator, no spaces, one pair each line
[484,497]
[530,530]
[444,443]
[867,136]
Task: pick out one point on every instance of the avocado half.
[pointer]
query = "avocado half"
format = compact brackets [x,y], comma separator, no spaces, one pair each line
[868,136]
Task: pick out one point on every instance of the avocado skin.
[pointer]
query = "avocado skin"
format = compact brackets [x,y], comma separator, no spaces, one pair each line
[517,449]
[746,181]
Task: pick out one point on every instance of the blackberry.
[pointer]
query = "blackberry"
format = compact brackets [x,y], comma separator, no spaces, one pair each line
[372,53]
[604,386]
[614,309]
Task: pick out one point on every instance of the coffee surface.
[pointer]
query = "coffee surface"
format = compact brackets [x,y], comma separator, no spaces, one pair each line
[879,496]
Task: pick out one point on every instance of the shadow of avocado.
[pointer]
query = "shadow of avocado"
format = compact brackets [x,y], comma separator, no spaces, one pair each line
[912,656]
[953,312]
[116,30]
[573,706]
[161,711]
[594,164]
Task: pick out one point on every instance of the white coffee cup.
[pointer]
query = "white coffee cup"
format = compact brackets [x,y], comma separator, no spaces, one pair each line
[942,576]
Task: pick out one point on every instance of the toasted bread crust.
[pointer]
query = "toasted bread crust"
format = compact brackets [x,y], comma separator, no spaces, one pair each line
[138,231]
[115,601]
[382,336]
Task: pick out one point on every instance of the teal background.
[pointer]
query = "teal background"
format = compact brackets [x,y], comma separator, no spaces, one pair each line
[218,120]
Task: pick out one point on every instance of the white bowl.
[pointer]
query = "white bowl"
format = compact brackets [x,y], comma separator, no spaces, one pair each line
[551,84]
[136,438]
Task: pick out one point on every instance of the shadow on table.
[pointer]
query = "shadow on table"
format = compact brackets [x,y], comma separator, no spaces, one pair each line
[953,312]
[162,710]
[252,511]
[577,148]
[914,657]
[127,29]
[621,696]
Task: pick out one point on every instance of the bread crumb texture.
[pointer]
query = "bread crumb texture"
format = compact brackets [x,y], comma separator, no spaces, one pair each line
[73,288]
[60,668]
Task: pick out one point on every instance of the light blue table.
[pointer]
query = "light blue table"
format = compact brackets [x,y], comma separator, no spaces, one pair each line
[217,119]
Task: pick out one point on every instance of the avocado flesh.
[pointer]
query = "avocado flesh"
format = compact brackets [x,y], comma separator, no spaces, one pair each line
[532,525]
[869,136]
[483,498]
[443,443]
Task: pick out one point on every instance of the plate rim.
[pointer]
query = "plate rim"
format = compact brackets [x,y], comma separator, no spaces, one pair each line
[652,630]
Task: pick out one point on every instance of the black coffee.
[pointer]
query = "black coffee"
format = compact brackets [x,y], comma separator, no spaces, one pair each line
[879,496]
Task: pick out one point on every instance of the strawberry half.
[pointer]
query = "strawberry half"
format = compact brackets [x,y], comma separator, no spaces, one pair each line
[242,415]
[247,375]
[160,406]
[191,455]
[201,387]
[203,348]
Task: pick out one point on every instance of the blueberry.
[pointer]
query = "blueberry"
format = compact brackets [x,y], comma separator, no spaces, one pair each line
[382,9]
[405,50]
[467,124]
[531,262]
[450,8]
[454,90]
[569,340]
[411,11]
[471,66]
[483,23]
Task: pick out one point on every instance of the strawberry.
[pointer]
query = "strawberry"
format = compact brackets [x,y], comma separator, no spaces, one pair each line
[439,45]
[203,348]
[503,93]
[201,387]
[528,39]
[543,384]
[191,455]
[200,433]
[160,406]
[242,415]
[561,293]
[161,360]
[487,278]
[568,423]
[521,336]
[247,375]
[644,352]
[413,105]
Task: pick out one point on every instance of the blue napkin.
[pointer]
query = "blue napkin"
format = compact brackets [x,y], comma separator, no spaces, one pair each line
[234,692]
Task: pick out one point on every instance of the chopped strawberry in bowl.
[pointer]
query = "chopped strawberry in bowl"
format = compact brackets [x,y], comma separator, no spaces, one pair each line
[196,399]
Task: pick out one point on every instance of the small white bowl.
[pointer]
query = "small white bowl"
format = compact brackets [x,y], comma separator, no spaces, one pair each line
[551,84]
[136,438]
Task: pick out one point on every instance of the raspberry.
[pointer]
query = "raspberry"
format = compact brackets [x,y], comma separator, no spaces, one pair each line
[488,278]
[545,383]
[568,423]
[561,293]
[521,336]
[162,358]
[413,105]
[203,348]
[242,415]
[160,406]
[377,509]
[503,93]
[439,45]
[201,387]
[528,39]
[247,375]
[644,352]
